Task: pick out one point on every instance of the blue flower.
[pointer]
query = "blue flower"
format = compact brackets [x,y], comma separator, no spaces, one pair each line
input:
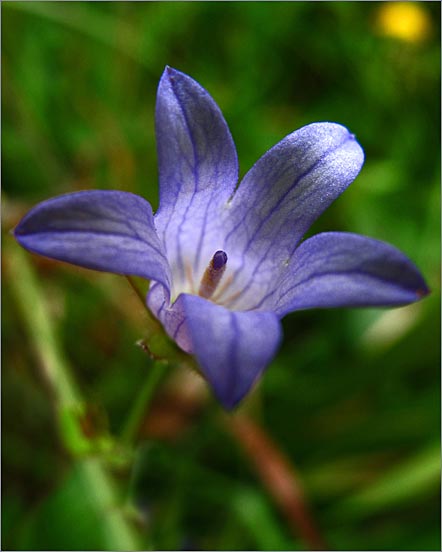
[226,263]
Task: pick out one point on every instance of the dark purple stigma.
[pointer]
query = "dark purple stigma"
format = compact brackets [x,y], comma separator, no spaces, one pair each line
[219,260]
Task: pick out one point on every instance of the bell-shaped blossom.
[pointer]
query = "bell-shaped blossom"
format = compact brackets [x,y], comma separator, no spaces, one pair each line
[226,263]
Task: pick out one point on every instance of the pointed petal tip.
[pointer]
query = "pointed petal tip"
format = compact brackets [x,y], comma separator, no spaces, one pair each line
[228,404]
[233,348]
[21,230]
[422,292]
[353,138]
[173,76]
[171,73]
[342,269]
[325,128]
[167,75]
[171,79]
[229,401]
[101,230]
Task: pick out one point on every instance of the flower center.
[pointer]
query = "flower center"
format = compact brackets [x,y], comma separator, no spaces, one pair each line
[213,274]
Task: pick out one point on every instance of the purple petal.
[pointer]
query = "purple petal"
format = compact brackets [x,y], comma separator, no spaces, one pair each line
[282,195]
[103,230]
[336,269]
[172,317]
[198,170]
[232,347]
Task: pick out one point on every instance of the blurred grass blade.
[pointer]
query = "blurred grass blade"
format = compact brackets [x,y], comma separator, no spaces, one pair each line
[99,26]
[27,295]
[82,514]
[417,477]
[255,514]
[93,486]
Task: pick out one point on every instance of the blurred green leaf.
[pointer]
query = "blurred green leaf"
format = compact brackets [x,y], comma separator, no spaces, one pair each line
[83,514]
[256,516]
[409,481]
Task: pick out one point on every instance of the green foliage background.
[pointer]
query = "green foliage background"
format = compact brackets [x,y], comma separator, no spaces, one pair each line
[352,398]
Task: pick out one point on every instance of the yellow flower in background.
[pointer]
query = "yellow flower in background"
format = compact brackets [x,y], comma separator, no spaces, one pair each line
[407,21]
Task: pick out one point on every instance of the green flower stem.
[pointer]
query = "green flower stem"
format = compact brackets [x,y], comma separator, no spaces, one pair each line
[142,401]
[32,307]
[144,396]
[118,533]
[69,404]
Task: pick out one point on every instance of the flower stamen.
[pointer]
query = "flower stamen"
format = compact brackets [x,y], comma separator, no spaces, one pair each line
[213,274]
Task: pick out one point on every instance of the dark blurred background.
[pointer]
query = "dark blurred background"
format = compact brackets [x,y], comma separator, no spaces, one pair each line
[352,400]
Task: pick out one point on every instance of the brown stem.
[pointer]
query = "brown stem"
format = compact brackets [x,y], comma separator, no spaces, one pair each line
[279,477]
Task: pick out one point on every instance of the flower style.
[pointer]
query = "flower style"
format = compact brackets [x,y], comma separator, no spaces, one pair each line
[226,263]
